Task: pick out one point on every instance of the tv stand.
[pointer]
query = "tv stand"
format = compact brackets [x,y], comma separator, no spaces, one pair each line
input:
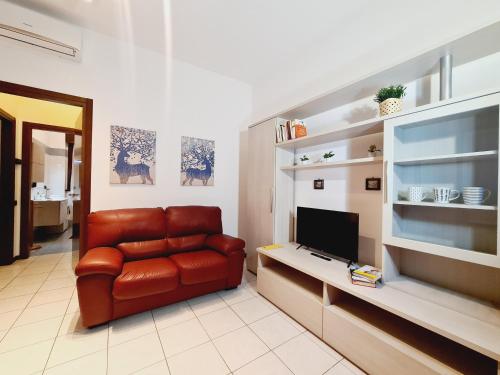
[405,326]
[321,256]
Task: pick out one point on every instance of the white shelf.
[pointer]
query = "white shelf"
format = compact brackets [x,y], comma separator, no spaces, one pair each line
[339,163]
[359,129]
[447,205]
[452,158]
[477,327]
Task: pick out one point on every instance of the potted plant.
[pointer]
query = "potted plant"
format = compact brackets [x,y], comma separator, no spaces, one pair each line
[390,99]
[373,150]
[327,156]
[304,159]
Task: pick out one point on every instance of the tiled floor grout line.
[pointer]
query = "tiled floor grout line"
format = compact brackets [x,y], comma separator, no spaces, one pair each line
[107,350]
[159,338]
[55,339]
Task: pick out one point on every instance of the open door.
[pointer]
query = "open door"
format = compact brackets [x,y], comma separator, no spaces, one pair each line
[7,186]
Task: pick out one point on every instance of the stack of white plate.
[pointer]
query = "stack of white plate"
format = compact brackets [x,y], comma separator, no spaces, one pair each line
[476,195]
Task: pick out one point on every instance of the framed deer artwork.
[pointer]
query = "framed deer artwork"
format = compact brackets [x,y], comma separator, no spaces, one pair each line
[132,156]
[197,162]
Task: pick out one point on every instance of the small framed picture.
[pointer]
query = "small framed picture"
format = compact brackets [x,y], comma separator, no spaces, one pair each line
[319,184]
[373,183]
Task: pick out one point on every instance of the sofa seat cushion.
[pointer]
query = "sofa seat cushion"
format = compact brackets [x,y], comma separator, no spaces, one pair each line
[201,266]
[143,278]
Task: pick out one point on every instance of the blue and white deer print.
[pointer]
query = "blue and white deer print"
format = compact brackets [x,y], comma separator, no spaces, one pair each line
[197,161]
[132,156]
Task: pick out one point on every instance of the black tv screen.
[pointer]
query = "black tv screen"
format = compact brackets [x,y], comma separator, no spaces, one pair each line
[334,233]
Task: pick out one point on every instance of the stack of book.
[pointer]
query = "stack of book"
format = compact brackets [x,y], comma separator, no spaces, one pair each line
[287,130]
[365,276]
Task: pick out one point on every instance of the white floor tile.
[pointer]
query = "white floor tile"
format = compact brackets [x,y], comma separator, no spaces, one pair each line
[37,269]
[26,360]
[30,280]
[69,347]
[293,322]
[173,314]
[205,304]
[131,327]
[95,364]
[61,274]
[252,309]
[203,359]
[240,347]
[2,334]
[352,368]
[233,296]
[339,369]
[41,312]
[71,323]
[274,330]
[135,354]
[73,303]
[268,364]
[57,283]
[15,291]
[60,294]
[304,357]
[182,336]
[30,334]
[323,346]
[7,319]
[14,303]
[159,368]
[220,322]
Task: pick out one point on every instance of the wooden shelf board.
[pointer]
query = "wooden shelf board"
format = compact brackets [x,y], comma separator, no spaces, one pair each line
[452,158]
[359,129]
[448,205]
[477,333]
[339,163]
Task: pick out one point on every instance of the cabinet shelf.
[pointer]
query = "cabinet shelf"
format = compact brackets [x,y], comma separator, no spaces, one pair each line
[339,163]
[447,205]
[451,158]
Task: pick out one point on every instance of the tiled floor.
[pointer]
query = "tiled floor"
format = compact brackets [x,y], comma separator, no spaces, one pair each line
[235,331]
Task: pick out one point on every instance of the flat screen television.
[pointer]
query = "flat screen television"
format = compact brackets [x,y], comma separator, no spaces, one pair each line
[333,233]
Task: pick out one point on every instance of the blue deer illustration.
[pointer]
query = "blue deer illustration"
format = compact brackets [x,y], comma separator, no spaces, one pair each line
[126,170]
[199,174]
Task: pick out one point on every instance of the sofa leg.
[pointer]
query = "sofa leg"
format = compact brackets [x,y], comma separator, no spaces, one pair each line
[232,287]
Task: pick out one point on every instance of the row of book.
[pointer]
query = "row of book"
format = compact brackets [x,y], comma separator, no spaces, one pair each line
[288,130]
[364,275]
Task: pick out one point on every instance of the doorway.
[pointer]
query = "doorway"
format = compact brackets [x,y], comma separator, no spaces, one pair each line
[85,175]
[7,182]
[54,156]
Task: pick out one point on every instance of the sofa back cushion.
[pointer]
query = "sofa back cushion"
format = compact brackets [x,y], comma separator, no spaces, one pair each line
[143,249]
[135,225]
[189,226]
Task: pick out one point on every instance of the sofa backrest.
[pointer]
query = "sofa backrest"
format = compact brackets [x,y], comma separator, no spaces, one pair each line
[189,226]
[137,232]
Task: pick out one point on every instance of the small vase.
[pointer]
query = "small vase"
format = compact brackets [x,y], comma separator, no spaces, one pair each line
[304,162]
[391,105]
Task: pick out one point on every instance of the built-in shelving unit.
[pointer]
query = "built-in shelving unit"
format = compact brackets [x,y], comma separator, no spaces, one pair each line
[404,316]
[447,205]
[337,163]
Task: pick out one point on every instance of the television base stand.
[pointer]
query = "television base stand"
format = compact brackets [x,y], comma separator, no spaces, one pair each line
[321,256]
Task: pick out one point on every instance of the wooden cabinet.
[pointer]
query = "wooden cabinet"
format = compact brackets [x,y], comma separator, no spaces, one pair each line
[260,189]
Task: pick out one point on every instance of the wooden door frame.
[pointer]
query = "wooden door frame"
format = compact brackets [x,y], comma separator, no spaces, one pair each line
[26,231]
[7,191]
[87,108]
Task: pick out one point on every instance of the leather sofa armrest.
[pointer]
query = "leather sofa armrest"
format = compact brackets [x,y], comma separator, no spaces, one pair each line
[224,243]
[100,261]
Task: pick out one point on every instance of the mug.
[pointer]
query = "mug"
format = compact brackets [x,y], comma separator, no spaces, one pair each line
[416,194]
[476,195]
[444,195]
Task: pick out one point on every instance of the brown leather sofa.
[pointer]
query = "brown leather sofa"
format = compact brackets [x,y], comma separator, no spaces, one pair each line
[140,259]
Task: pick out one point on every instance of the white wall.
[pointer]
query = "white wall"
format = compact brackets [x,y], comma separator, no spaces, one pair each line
[136,87]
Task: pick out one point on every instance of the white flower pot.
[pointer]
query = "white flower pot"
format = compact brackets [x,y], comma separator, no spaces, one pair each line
[391,105]
[304,162]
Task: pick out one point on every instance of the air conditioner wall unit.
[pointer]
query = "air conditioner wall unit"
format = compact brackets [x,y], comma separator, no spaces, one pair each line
[35,29]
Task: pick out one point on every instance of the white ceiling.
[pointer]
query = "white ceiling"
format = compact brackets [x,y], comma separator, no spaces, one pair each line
[251,40]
